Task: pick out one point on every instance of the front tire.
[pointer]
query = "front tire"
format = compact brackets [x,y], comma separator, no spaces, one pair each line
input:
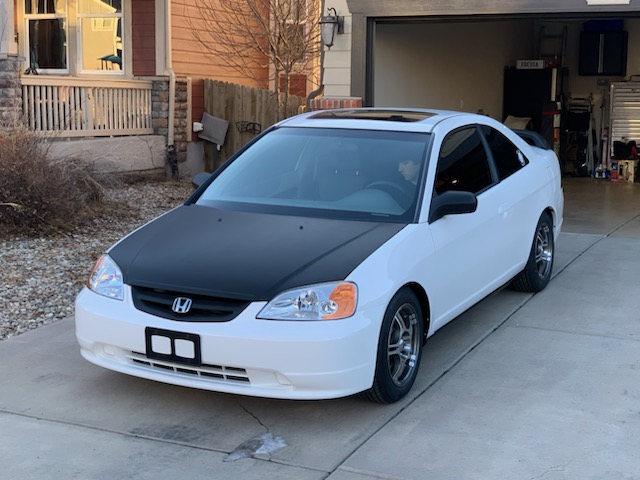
[537,271]
[399,349]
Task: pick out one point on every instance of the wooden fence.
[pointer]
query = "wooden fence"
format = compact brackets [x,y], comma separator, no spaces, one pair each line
[248,111]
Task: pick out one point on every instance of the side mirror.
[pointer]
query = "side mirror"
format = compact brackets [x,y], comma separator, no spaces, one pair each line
[199,178]
[452,203]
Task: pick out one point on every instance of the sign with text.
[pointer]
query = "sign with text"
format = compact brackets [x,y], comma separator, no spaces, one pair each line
[530,64]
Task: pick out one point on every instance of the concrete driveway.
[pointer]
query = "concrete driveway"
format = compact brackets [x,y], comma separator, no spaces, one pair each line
[519,387]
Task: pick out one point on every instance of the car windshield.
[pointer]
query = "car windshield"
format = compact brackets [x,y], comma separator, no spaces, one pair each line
[321,172]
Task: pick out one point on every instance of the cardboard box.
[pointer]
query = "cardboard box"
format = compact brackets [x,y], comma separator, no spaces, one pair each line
[627,170]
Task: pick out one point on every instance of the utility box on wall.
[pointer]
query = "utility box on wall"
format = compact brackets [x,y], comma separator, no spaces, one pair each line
[603,49]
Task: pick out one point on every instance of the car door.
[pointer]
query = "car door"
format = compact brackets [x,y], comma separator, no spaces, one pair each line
[468,247]
[517,186]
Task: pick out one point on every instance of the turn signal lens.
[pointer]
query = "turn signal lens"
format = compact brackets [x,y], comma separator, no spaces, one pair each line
[344,299]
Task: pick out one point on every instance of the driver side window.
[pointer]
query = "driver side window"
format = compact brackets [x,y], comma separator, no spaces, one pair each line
[463,164]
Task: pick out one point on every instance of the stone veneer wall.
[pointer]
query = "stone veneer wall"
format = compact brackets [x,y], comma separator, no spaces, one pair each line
[160,113]
[10,88]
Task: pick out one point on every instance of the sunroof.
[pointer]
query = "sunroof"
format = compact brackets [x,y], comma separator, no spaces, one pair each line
[365,114]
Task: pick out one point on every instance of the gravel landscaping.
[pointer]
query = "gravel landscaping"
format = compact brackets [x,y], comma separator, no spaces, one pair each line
[41,276]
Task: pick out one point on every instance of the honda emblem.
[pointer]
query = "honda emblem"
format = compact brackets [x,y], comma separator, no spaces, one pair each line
[181,305]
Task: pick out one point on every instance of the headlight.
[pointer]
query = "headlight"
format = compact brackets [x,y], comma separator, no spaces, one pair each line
[106,278]
[327,301]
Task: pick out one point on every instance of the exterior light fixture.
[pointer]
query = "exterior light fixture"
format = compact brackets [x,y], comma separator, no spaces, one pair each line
[329,26]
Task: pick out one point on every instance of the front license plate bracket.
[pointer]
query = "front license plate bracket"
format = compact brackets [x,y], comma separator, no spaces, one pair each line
[172,346]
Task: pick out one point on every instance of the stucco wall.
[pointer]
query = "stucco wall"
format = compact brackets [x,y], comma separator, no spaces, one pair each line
[118,154]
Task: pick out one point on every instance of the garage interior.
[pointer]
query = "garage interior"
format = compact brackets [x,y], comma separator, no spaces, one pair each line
[559,76]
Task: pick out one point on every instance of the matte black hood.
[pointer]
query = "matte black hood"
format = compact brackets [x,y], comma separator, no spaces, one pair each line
[249,256]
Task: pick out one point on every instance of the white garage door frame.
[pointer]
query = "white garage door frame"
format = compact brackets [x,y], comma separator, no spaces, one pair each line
[366,14]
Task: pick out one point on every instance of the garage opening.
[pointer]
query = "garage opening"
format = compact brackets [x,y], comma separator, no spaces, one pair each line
[553,75]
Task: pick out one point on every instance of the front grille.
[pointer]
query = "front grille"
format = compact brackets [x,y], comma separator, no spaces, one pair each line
[204,371]
[203,309]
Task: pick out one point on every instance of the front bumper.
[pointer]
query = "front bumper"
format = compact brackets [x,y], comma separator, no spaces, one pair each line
[266,358]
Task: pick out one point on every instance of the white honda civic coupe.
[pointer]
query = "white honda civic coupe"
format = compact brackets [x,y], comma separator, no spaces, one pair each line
[316,262]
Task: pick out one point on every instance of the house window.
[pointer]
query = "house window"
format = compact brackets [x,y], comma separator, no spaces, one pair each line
[291,22]
[47,35]
[100,40]
[297,84]
[294,10]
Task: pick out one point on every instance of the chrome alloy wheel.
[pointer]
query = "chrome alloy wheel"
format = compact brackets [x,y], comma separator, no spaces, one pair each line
[544,250]
[403,345]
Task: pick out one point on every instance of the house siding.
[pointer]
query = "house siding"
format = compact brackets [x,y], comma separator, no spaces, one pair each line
[190,60]
[338,61]
[143,37]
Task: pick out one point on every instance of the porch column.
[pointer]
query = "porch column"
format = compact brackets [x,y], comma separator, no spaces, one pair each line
[10,88]
[10,66]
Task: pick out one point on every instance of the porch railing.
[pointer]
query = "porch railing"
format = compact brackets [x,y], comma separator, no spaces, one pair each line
[73,107]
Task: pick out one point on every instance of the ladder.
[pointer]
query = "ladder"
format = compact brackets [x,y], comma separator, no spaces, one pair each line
[552,45]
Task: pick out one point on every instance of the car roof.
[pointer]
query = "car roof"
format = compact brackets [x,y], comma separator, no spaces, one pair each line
[400,119]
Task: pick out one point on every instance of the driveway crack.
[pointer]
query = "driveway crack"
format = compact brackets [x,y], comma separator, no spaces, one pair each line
[555,468]
[260,446]
[255,417]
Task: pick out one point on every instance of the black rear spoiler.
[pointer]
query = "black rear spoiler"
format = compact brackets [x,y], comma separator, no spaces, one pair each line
[534,139]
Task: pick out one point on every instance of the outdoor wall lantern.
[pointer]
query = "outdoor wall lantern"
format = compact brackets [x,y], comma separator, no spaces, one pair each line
[329,26]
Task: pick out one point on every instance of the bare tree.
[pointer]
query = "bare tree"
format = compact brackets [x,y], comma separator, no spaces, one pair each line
[263,41]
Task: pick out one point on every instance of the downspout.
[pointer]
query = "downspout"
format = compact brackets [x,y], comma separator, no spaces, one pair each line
[172,157]
[320,89]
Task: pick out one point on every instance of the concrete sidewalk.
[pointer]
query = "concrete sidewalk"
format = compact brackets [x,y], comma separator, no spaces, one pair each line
[519,387]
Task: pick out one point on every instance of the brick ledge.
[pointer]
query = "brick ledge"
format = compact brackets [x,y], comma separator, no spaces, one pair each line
[328,103]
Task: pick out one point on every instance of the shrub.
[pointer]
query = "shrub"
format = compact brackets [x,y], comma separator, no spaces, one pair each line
[39,194]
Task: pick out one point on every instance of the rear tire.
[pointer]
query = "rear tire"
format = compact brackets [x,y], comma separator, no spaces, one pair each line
[399,349]
[537,271]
